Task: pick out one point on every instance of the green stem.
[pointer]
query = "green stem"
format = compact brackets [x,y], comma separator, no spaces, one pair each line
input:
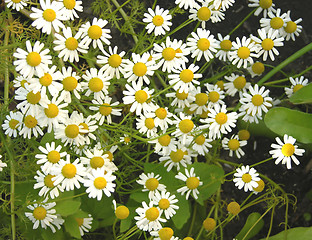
[248,16]
[287,61]
[193,219]
[258,163]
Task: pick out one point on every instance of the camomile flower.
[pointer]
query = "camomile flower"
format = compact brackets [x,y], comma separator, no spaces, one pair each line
[164,144]
[202,44]
[192,183]
[256,69]
[113,62]
[30,126]
[2,164]
[68,45]
[243,51]
[95,33]
[246,177]
[89,125]
[43,214]
[21,81]
[49,156]
[158,20]
[99,181]
[296,84]
[13,123]
[184,126]
[181,99]
[248,117]
[285,151]
[200,104]
[162,118]
[164,233]
[185,3]
[223,4]
[49,16]
[215,95]
[149,217]
[126,139]
[166,203]
[105,110]
[172,54]
[201,143]
[95,82]
[146,125]
[224,47]
[32,61]
[257,101]
[137,97]
[292,29]
[84,224]
[139,68]
[234,145]
[68,174]
[262,5]
[70,83]
[237,83]
[70,7]
[47,185]
[150,183]
[184,78]
[16,4]
[267,43]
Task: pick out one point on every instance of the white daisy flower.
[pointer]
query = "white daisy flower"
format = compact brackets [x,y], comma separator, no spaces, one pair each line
[202,44]
[70,84]
[68,174]
[12,124]
[215,95]
[95,33]
[201,143]
[243,51]
[158,20]
[47,185]
[267,43]
[84,224]
[246,177]
[292,29]
[172,54]
[192,183]
[139,68]
[2,164]
[126,139]
[98,181]
[89,125]
[110,152]
[285,151]
[68,45]
[49,16]
[224,47]
[164,144]
[166,203]
[57,222]
[162,118]
[163,233]
[237,83]
[32,61]
[262,5]
[150,182]
[257,101]
[181,99]
[296,84]
[96,83]
[105,110]
[149,217]
[234,145]
[30,126]
[223,4]
[70,7]
[200,104]
[137,97]
[50,156]
[184,126]
[256,69]
[113,62]
[21,81]
[146,125]
[16,4]
[185,3]
[248,117]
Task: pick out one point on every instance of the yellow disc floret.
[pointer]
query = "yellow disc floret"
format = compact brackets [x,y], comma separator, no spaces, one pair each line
[39,213]
[291,27]
[105,109]
[70,83]
[165,233]
[265,4]
[260,187]
[233,144]
[267,44]
[97,162]
[221,118]
[288,149]
[95,32]
[149,123]
[239,82]
[46,79]
[164,203]
[139,69]
[151,184]
[214,96]
[49,15]
[122,212]
[33,98]
[233,207]
[186,125]
[69,170]
[257,100]
[203,14]
[96,84]
[297,87]
[181,95]
[201,99]
[52,111]
[164,140]
[54,156]
[48,181]
[243,52]
[209,224]
[71,43]
[168,54]
[243,134]
[33,59]
[114,60]
[276,23]
[141,96]
[69,4]
[177,156]
[192,182]
[30,121]
[258,68]
[13,123]
[246,178]
[161,113]
[158,20]
[226,45]
[72,131]
[100,183]
[152,214]
[200,140]
[203,44]
[186,75]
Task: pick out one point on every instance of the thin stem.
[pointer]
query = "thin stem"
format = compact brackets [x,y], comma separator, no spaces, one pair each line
[193,219]
[248,16]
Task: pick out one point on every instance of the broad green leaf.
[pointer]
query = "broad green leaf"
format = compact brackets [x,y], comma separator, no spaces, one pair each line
[256,129]
[140,196]
[303,95]
[291,122]
[67,207]
[302,233]
[183,213]
[71,226]
[47,234]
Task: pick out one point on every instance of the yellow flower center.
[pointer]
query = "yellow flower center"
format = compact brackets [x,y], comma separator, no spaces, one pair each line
[16,1]
[95,32]
[49,15]
[192,182]
[152,214]
[72,131]
[220,84]
[105,109]
[52,111]
[100,183]
[151,184]
[239,82]
[97,162]
[114,60]
[243,52]
[233,144]
[71,43]
[23,82]
[164,140]
[164,203]
[243,134]
[177,156]
[297,87]
[79,221]
[161,113]
[186,125]
[30,121]
[288,149]
[258,68]
[203,14]
[69,170]
[70,83]
[139,69]
[158,20]
[233,207]
[214,96]
[96,84]
[40,213]
[54,156]
[260,186]
[203,44]
[265,4]
[69,4]
[267,44]
[46,79]
[48,181]
[165,233]
[186,75]
[276,23]
[201,99]
[149,123]
[182,95]
[209,224]
[221,118]
[13,123]
[257,100]
[204,114]
[226,45]
[141,96]
[110,155]
[168,54]
[122,212]
[246,178]
[291,27]
[33,98]
[33,59]
[200,140]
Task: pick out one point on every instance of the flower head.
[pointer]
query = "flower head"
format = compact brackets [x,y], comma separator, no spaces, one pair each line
[246,177]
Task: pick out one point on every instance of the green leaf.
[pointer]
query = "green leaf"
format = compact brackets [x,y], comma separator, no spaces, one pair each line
[291,122]
[67,207]
[256,129]
[71,226]
[140,196]
[302,233]
[183,213]
[47,234]
[252,227]
[303,95]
